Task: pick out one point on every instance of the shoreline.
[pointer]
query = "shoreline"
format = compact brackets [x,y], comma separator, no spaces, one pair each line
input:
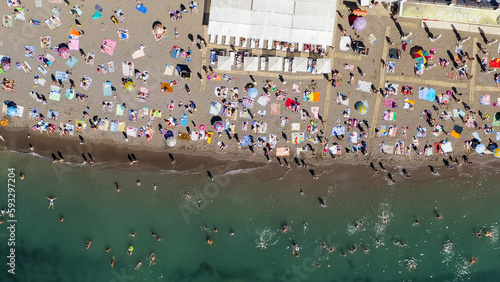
[105,153]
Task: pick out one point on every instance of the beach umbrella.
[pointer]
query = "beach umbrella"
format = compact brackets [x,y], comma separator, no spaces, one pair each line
[12,111]
[253,92]
[480,148]
[497,152]
[129,85]
[417,53]
[360,23]
[361,107]
[218,126]
[5,63]
[171,141]
[64,52]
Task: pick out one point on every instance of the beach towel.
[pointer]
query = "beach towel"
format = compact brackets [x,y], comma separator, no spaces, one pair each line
[353,137]
[246,140]
[364,86]
[426,93]
[383,130]
[40,81]
[388,115]
[446,147]
[275,109]
[342,99]
[485,100]
[315,112]
[71,61]
[139,52]
[26,67]
[497,135]
[81,125]
[452,75]
[393,129]
[338,130]
[88,82]
[390,67]
[298,137]
[123,34]
[114,126]
[390,103]
[263,99]
[109,46]
[282,152]
[184,119]
[96,15]
[391,88]
[476,135]
[195,135]
[29,51]
[7,21]
[74,44]
[295,126]
[423,133]
[131,131]
[55,93]
[141,8]
[106,88]
[111,66]
[122,126]
[314,97]
[245,114]
[103,125]
[120,110]
[458,113]
[70,94]
[248,102]
[409,103]
[69,127]
[387,149]
[215,108]
[45,42]
[38,3]
[61,75]
[90,59]
[128,68]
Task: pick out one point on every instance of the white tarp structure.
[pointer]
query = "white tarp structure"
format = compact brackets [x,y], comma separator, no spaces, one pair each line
[224,63]
[275,64]
[323,66]
[294,21]
[250,63]
[299,64]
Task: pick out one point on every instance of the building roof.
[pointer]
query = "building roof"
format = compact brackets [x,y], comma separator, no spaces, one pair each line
[294,21]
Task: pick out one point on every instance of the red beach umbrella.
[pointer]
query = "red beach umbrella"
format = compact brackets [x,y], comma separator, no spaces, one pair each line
[64,52]
[218,126]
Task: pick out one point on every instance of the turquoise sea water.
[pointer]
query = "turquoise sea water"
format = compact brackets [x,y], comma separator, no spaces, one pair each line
[254,203]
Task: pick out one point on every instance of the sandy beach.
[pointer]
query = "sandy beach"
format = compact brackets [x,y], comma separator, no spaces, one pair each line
[317,135]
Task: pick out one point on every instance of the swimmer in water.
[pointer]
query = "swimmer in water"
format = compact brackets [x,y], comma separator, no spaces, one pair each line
[366,250]
[323,245]
[51,202]
[113,262]
[153,258]
[87,246]
[473,260]
[215,229]
[331,249]
[21,176]
[478,234]
[358,224]
[138,265]
[231,233]
[317,264]
[31,147]
[285,228]
[488,234]
[61,219]
[154,187]
[416,220]
[301,192]
[108,249]
[438,215]
[133,234]
[344,254]
[138,182]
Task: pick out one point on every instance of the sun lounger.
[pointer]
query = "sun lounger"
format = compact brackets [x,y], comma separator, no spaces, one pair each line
[262,63]
[261,42]
[236,41]
[286,67]
[212,38]
[252,43]
[219,39]
[270,43]
[227,40]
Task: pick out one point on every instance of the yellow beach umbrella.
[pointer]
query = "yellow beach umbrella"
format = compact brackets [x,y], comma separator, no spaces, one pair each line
[497,152]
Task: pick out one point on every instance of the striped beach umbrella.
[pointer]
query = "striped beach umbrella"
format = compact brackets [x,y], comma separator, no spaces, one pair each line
[218,126]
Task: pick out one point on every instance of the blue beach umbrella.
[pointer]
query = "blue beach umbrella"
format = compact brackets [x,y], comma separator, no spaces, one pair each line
[253,92]
[480,148]
[12,111]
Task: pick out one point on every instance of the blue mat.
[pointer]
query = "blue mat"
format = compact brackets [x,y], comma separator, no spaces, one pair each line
[71,61]
[184,119]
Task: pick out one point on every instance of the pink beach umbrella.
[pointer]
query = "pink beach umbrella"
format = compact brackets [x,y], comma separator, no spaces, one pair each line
[360,23]
[218,126]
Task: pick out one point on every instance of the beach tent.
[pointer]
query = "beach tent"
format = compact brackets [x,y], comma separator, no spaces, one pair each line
[183,71]
[250,63]
[224,63]
[299,64]
[275,64]
[323,65]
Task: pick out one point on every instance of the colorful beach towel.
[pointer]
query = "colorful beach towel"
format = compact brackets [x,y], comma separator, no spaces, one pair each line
[62,75]
[315,112]
[215,108]
[298,137]
[427,93]
[114,126]
[338,130]
[70,93]
[108,46]
[74,44]
[106,88]
[184,119]
[131,131]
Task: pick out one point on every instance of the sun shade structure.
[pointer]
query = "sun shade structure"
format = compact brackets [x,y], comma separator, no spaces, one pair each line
[294,21]
[323,66]
[299,64]
[250,63]
[224,63]
[275,64]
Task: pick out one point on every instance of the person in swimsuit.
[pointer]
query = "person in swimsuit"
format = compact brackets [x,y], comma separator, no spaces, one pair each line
[51,203]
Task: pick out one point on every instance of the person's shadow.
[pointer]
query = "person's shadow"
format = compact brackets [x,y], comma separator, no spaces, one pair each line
[483,35]
[426,28]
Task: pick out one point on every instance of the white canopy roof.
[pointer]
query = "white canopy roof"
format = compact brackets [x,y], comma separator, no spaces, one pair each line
[250,63]
[323,66]
[295,21]
[275,64]
[224,63]
[299,64]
